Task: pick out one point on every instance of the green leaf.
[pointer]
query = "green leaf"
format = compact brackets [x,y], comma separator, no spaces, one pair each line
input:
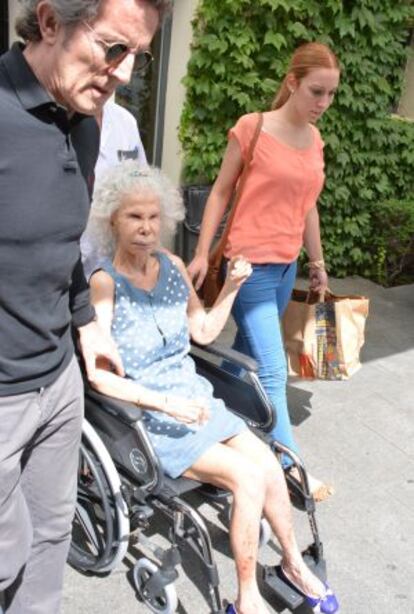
[275,4]
[346,27]
[240,53]
[275,39]
[299,30]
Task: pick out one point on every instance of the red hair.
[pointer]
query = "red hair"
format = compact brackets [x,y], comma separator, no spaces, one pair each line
[304,59]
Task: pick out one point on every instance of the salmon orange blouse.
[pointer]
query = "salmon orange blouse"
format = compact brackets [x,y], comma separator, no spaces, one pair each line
[282,185]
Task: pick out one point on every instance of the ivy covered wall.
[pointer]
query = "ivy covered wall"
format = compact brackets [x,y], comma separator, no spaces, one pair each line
[240,54]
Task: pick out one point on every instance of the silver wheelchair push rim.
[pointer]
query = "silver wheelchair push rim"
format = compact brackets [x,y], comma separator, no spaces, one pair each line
[114,511]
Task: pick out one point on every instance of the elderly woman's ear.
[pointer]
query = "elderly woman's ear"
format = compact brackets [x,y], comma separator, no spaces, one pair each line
[112,219]
[113,225]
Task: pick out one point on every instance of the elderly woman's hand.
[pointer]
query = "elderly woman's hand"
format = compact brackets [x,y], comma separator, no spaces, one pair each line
[189,411]
[238,270]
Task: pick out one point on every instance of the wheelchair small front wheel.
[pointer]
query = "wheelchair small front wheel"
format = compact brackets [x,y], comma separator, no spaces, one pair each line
[165,600]
[265,533]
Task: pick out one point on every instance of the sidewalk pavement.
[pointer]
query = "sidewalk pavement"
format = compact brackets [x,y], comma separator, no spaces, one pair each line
[357,435]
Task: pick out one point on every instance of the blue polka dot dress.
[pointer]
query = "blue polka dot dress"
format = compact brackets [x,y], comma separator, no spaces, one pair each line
[151,332]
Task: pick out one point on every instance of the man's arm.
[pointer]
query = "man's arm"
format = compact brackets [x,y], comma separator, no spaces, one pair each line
[79,302]
[95,343]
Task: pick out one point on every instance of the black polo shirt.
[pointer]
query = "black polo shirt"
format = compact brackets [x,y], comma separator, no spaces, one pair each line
[46,167]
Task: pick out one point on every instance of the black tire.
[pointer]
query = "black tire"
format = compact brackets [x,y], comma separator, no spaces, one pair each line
[94,526]
[166,601]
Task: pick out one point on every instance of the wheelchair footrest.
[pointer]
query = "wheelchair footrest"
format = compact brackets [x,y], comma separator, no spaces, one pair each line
[283,591]
[286,593]
[318,567]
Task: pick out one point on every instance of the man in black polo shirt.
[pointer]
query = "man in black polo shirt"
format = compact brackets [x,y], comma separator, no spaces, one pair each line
[76,54]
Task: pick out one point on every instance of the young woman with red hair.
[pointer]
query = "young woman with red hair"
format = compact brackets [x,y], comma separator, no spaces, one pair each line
[276,216]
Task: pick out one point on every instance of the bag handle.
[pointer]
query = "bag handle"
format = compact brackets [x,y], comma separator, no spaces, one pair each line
[219,249]
[311,295]
[321,296]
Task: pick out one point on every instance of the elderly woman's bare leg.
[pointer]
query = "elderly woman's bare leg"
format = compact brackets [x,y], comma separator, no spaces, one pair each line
[277,510]
[228,468]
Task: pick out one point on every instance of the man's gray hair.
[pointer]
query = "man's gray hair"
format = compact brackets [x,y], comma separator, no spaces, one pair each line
[123,180]
[68,12]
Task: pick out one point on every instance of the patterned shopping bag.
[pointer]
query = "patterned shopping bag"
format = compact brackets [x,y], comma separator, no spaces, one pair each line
[323,338]
[327,359]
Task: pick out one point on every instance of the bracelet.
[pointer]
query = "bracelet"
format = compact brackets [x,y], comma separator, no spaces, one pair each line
[316,264]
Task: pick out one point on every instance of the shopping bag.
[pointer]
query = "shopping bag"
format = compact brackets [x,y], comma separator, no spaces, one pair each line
[323,336]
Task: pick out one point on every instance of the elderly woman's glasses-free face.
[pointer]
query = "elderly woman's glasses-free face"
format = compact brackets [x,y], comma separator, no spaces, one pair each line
[116,52]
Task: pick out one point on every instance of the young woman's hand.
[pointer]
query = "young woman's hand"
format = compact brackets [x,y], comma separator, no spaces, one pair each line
[189,411]
[238,270]
[318,280]
[197,270]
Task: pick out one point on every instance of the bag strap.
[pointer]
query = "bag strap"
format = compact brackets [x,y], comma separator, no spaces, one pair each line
[320,296]
[219,249]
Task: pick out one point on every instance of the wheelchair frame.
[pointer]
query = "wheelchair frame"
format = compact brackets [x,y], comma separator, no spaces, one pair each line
[121,484]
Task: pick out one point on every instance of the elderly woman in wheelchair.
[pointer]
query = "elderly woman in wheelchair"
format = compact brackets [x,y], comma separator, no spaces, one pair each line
[144,297]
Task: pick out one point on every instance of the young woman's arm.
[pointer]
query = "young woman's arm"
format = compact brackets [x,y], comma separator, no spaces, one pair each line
[318,278]
[218,199]
[206,326]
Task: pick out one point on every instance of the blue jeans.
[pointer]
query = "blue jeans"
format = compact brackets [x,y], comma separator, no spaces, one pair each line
[257,310]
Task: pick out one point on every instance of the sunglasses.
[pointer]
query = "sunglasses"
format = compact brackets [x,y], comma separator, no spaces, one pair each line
[116,52]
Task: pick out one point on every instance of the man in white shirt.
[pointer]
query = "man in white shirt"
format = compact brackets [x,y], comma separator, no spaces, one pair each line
[120,140]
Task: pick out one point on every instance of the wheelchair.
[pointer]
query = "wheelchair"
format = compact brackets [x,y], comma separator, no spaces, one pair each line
[121,485]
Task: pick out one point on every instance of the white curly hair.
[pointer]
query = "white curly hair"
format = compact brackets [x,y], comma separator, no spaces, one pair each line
[124,179]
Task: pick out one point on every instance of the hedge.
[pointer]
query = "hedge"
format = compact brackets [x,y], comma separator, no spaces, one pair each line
[240,52]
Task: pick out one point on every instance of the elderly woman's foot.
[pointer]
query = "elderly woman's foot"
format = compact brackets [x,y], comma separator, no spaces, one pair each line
[233,609]
[301,576]
[248,603]
[252,609]
[320,491]
[316,593]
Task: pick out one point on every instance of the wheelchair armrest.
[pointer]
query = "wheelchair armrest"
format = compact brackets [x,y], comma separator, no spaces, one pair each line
[127,412]
[237,358]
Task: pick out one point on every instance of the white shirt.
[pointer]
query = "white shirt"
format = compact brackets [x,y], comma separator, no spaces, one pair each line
[120,140]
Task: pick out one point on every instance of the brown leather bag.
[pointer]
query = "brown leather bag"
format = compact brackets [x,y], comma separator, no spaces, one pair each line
[214,281]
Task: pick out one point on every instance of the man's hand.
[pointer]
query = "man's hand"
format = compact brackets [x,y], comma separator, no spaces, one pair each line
[96,345]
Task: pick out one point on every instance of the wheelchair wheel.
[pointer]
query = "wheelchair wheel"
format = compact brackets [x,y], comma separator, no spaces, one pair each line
[100,527]
[163,602]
